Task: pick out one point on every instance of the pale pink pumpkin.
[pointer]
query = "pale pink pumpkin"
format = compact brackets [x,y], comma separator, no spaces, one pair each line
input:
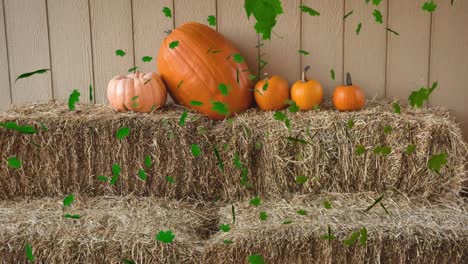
[139,92]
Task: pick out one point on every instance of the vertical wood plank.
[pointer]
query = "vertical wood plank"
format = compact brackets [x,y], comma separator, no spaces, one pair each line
[281,52]
[149,26]
[365,54]
[28,49]
[236,27]
[70,42]
[407,54]
[449,59]
[193,11]
[322,36]
[5,96]
[111,27]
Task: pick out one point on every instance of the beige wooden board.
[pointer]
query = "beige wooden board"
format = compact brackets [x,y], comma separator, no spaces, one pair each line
[149,26]
[236,27]
[111,27]
[70,42]
[281,51]
[193,11]
[5,96]
[365,54]
[322,37]
[449,59]
[407,54]
[28,49]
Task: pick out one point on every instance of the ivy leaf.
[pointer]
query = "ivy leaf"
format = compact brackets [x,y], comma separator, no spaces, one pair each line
[309,10]
[376,201]
[352,239]
[388,129]
[28,74]
[410,149]
[142,174]
[256,259]
[72,216]
[120,53]
[68,200]
[238,58]
[429,6]
[115,173]
[293,108]
[211,20]
[183,117]
[256,201]
[417,98]
[128,261]
[14,162]
[396,108]
[73,99]
[165,236]
[350,124]
[167,12]
[327,204]
[360,149]
[436,162]
[122,133]
[225,228]
[146,59]
[302,212]
[196,103]
[363,239]
[332,73]
[220,108]
[21,129]
[224,89]
[266,13]
[303,52]
[29,252]
[301,179]
[169,179]
[358,29]
[227,241]
[376,2]
[378,16]
[173,44]
[263,216]
[148,161]
[252,77]
[265,86]
[102,178]
[196,151]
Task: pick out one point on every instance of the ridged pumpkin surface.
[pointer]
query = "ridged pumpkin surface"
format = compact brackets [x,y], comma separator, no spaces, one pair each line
[201,62]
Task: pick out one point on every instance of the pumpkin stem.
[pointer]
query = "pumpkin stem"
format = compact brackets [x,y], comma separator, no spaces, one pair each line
[349,82]
[304,73]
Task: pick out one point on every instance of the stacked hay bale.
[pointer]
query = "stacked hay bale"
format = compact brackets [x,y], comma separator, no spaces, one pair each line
[130,187]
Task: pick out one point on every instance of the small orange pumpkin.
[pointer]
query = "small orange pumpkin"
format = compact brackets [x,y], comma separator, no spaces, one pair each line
[139,92]
[271,93]
[349,97]
[307,93]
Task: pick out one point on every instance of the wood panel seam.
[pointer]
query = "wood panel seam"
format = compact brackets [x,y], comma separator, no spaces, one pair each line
[133,33]
[50,50]
[92,51]
[7,53]
[387,33]
[344,44]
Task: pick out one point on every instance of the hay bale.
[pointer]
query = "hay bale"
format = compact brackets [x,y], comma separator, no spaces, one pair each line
[414,232]
[81,145]
[109,230]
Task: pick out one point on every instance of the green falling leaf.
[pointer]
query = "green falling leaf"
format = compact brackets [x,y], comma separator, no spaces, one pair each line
[173,44]
[165,236]
[148,161]
[102,178]
[327,204]
[22,129]
[303,52]
[29,252]
[142,174]
[211,20]
[265,86]
[120,53]
[183,117]
[332,73]
[68,200]
[348,14]
[73,99]
[301,179]
[167,12]
[227,241]
[396,108]
[429,6]
[263,216]
[238,58]
[266,13]
[410,149]
[363,239]
[388,129]
[115,173]
[225,228]
[378,16]
[376,2]
[436,162]
[256,259]
[301,212]
[350,124]
[358,29]
[122,133]
[220,108]
[72,216]
[293,108]
[128,261]
[376,201]
[28,74]
[196,103]
[360,149]
[146,59]
[224,89]
[417,98]
[309,10]
[169,179]
[392,31]
[196,151]
[252,77]
[352,239]
[256,201]
[14,162]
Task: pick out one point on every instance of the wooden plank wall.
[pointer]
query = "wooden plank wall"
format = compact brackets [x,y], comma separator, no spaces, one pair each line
[77,40]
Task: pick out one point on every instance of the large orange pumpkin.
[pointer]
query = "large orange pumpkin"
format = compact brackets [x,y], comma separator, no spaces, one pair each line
[139,92]
[307,93]
[271,93]
[204,71]
[348,97]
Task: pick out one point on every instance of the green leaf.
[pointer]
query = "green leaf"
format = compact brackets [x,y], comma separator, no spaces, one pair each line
[309,10]
[256,259]
[376,201]
[378,16]
[358,29]
[236,161]
[120,53]
[227,241]
[263,216]
[68,200]
[429,6]
[72,216]
[280,116]
[14,162]
[301,179]
[252,77]
[327,204]
[169,179]
[183,117]
[73,99]
[220,108]
[352,239]
[28,74]
[122,133]
[29,252]
[225,228]
[196,103]
[436,162]
[293,108]
[265,86]
[91,92]
[102,178]
[363,239]
[360,149]
[387,129]
[385,151]
[128,261]
[332,73]
[224,89]
[303,52]
[238,58]
[146,59]
[392,31]
[376,2]
[142,174]
[133,69]
[22,129]
[173,44]
[350,124]
[218,158]
[211,20]
[302,212]
[196,151]
[165,236]
[167,12]
[348,14]
[417,98]
[256,201]
[148,161]
[266,13]
[410,149]
[115,173]
[396,108]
